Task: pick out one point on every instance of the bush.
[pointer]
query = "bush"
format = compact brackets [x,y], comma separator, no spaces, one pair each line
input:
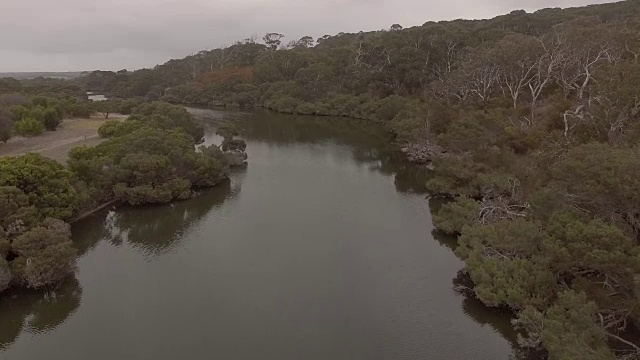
[81,110]
[36,113]
[47,184]
[45,254]
[455,215]
[28,127]
[107,129]
[6,124]
[51,119]
[18,112]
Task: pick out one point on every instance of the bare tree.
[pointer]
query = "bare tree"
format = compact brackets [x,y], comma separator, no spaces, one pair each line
[518,58]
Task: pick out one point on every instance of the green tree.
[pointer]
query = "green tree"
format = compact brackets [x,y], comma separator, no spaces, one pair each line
[506,265]
[273,40]
[568,329]
[47,183]
[28,127]
[51,119]
[601,179]
[454,216]
[45,254]
[18,112]
[149,165]
[6,125]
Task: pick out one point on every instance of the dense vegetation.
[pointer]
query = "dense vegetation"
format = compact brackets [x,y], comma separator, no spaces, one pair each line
[29,108]
[531,122]
[149,158]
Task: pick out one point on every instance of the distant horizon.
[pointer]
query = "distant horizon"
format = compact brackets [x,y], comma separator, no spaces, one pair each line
[135,41]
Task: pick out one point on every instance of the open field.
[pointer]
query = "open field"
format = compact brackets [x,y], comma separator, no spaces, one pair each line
[56,144]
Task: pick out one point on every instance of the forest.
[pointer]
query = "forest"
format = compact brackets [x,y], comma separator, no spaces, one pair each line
[530,123]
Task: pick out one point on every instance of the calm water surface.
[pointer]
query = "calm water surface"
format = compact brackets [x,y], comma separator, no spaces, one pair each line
[320,249]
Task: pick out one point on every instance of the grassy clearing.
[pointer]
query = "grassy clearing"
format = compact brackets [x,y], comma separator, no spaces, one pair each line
[56,144]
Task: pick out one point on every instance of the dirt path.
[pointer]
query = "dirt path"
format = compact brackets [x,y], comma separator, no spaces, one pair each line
[56,144]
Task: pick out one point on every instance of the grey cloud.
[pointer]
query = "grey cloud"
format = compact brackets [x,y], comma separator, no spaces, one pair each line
[46,35]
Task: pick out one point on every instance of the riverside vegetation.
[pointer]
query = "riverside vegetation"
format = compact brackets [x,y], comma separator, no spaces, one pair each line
[150,158]
[530,120]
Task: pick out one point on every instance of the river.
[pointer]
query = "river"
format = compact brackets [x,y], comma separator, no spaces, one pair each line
[322,248]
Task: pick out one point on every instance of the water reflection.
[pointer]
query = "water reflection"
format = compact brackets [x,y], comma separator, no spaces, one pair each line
[154,230]
[369,143]
[37,312]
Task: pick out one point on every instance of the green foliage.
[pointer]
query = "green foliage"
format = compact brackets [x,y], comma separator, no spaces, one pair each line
[37,113]
[46,182]
[18,112]
[45,254]
[15,209]
[106,107]
[149,165]
[228,130]
[28,127]
[505,264]
[602,179]
[169,117]
[80,110]
[115,128]
[51,119]
[127,106]
[48,110]
[454,216]
[6,125]
[568,329]
[455,176]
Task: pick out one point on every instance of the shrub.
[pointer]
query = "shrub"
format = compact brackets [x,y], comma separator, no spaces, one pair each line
[45,254]
[28,127]
[51,119]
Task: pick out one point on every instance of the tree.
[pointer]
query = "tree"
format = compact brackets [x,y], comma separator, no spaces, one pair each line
[323,39]
[6,125]
[149,165]
[396,27]
[16,213]
[37,113]
[616,105]
[51,119]
[28,127]
[273,40]
[18,112]
[601,179]
[166,116]
[567,330]
[106,107]
[454,216]
[305,42]
[47,183]
[518,58]
[504,261]
[45,254]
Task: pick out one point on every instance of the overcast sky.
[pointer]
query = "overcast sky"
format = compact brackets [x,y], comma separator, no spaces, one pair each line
[68,35]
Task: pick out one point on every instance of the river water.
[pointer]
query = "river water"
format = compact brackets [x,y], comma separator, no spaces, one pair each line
[322,248]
